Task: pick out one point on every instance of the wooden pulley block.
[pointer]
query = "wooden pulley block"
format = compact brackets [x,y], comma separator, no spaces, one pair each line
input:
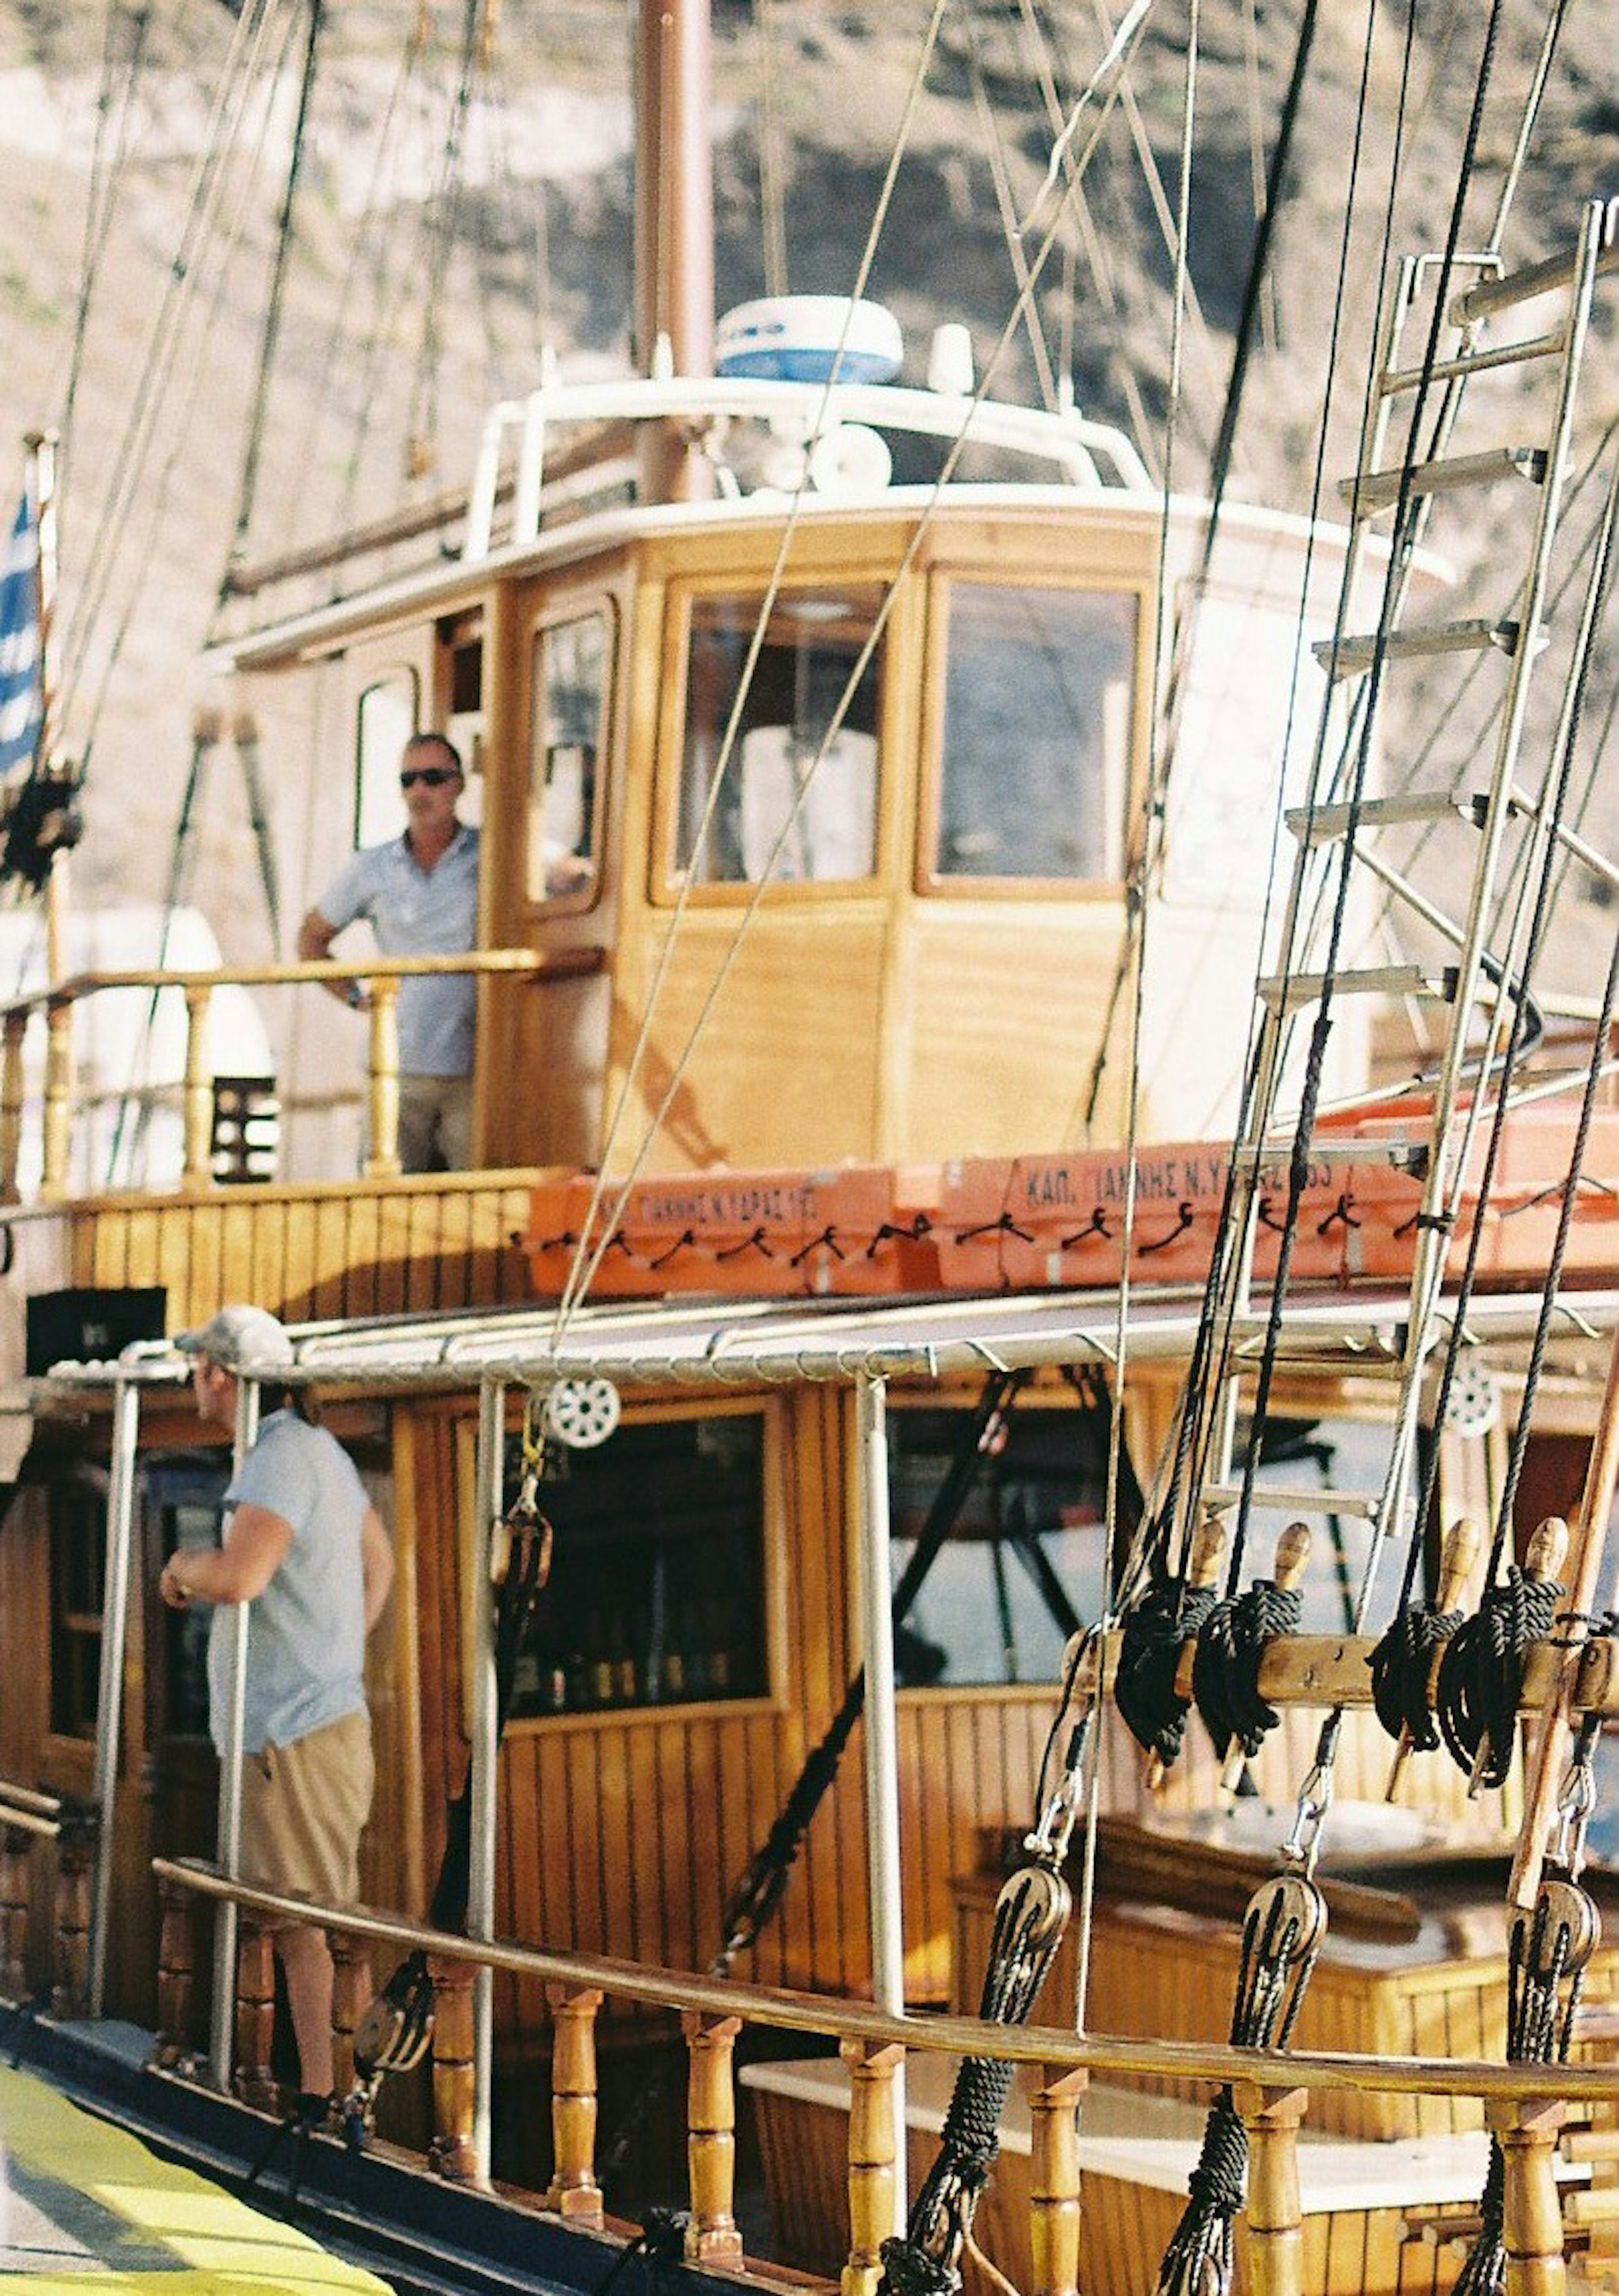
[395,2025]
[1563,1912]
[1036,1898]
[1289,1907]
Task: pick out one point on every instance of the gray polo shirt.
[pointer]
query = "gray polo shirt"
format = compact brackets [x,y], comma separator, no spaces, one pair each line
[417,912]
[306,1631]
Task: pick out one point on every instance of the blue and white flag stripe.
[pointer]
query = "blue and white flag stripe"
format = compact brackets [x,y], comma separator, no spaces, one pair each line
[21,710]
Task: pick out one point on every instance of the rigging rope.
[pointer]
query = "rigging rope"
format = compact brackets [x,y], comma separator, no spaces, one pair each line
[249,40]
[1100,92]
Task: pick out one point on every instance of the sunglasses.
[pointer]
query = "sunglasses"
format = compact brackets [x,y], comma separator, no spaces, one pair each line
[433,776]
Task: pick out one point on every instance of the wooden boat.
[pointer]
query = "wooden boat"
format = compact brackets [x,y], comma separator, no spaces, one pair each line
[818,1253]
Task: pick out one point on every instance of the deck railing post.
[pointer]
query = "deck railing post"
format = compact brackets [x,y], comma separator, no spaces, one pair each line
[75,1846]
[350,1991]
[453,2152]
[1054,2182]
[11,1100]
[383,1151]
[57,1095]
[574,2191]
[713,2236]
[198,1102]
[254,2082]
[16,1849]
[1526,2129]
[1276,2234]
[874,2141]
[173,1972]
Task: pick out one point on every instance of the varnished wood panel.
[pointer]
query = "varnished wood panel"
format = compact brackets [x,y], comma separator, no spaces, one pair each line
[321,1251]
[627,1832]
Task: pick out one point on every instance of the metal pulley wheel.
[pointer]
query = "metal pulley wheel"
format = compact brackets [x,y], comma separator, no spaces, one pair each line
[582,1413]
[1474,1402]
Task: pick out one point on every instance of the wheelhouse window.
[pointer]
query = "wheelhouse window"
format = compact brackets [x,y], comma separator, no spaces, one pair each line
[655,1596]
[571,664]
[797,800]
[388,714]
[1021,1565]
[1034,763]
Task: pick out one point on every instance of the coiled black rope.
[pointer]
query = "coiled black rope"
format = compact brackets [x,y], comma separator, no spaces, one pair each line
[1199,2255]
[1225,1667]
[1482,1672]
[1402,1667]
[1156,1630]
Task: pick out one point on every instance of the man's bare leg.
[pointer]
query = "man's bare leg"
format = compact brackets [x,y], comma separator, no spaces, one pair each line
[305,1959]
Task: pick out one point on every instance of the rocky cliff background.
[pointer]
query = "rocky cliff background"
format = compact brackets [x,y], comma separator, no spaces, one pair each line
[456,216]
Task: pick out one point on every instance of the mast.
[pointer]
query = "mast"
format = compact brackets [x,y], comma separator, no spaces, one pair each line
[674,224]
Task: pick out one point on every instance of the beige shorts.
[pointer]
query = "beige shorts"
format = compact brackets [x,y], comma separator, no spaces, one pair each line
[303,1809]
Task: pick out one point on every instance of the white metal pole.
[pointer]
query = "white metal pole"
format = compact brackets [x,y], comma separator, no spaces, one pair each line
[110,1690]
[223,2022]
[882,1744]
[486,1726]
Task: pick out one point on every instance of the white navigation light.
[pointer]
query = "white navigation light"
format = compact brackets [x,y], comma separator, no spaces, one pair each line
[802,337]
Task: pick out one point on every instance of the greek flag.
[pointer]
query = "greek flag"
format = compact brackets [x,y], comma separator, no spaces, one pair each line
[19,695]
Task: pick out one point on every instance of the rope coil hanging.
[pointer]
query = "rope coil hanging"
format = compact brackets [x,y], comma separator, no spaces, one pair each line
[1282,1934]
[1156,1629]
[1550,1949]
[1480,1673]
[1225,1666]
[1031,1914]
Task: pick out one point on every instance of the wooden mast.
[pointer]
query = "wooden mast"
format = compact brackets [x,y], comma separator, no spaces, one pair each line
[673,226]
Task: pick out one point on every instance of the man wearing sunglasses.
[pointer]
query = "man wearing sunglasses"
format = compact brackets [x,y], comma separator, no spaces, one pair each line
[420,894]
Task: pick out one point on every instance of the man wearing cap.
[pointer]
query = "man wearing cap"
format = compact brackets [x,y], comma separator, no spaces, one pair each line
[419,892]
[305,1548]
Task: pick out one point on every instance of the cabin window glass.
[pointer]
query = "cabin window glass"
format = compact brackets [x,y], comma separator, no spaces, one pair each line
[185,1503]
[388,715]
[571,660]
[1034,758]
[797,800]
[1021,1565]
[1299,1456]
[656,1590]
[79,1557]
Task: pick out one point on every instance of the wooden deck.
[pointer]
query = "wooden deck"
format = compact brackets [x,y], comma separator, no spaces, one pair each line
[86,2205]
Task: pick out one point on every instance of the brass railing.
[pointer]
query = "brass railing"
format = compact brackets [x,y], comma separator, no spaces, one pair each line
[380,977]
[1270,2088]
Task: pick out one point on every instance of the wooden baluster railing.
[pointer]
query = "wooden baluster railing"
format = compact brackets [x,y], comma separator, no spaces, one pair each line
[1054,2182]
[254,2082]
[174,1973]
[12,1098]
[1276,2234]
[58,1096]
[453,2152]
[574,2191]
[873,2151]
[711,2139]
[1531,2223]
[383,1151]
[351,1989]
[74,1847]
[197,1171]
[16,1860]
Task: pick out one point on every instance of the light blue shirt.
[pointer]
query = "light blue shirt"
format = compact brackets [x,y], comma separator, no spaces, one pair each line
[417,912]
[306,1631]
